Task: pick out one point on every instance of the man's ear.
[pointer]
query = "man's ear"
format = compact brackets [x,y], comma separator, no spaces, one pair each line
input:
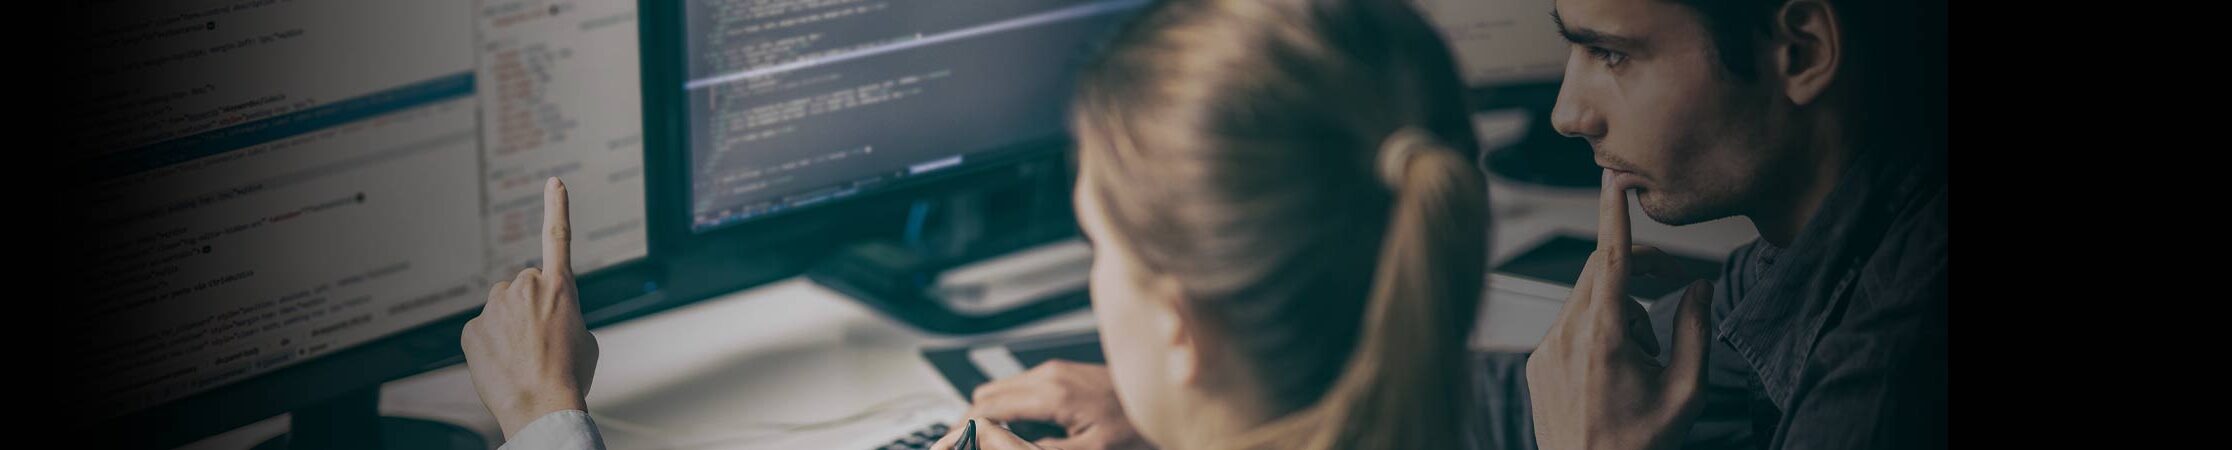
[1808,46]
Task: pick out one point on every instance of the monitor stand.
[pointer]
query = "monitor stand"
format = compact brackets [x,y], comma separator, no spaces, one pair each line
[353,422]
[949,234]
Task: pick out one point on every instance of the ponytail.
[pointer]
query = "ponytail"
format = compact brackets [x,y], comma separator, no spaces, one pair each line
[1302,169]
[1405,385]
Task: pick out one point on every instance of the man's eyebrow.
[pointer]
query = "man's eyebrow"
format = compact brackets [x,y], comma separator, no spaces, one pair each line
[1585,36]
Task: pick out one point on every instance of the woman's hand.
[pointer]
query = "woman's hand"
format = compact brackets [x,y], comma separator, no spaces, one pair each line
[989,436]
[529,351]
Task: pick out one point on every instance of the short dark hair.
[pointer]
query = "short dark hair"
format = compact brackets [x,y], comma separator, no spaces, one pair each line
[1892,47]
[1873,28]
[1736,28]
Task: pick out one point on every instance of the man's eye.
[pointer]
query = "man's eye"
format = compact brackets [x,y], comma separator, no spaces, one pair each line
[1610,58]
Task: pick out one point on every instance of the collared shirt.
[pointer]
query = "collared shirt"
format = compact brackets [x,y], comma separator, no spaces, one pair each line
[1837,341]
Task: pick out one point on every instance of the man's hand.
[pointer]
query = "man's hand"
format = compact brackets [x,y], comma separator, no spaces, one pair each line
[1078,397]
[1593,381]
[529,352]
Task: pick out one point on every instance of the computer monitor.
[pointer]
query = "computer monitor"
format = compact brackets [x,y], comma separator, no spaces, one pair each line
[784,131]
[286,204]
[1499,42]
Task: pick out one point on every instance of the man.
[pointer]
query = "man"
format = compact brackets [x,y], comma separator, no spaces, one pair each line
[1820,121]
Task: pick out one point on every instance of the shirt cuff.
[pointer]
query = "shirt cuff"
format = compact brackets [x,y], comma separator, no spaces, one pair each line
[560,430]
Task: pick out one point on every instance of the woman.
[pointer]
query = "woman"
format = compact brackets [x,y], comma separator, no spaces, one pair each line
[1289,237]
[1288,231]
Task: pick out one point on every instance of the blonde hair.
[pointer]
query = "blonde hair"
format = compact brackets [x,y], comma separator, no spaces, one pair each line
[1304,171]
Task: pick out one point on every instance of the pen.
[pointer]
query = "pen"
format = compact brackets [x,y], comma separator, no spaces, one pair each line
[968,438]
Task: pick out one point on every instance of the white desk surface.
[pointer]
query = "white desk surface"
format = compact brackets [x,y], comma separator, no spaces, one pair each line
[758,368]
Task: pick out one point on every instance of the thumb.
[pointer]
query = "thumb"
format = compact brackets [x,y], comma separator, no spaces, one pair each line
[1095,437]
[991,436]
[1685,371]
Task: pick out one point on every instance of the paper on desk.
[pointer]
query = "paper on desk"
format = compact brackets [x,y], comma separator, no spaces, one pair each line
[1499,41]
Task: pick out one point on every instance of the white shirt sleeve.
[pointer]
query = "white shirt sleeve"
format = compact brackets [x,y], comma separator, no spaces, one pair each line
[561,430]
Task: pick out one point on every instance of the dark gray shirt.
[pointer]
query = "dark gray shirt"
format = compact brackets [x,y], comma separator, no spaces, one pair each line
[1837,341]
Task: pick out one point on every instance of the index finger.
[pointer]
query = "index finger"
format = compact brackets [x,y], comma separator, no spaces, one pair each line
[1612,217]
[1613,247]
[557,232]
[1010,403]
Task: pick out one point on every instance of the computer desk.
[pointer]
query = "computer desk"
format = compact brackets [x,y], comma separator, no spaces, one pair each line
[762,367]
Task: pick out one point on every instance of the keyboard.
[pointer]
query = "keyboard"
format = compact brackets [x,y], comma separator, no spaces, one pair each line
[920,439]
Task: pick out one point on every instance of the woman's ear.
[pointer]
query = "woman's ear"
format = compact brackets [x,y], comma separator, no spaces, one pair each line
[1178,327]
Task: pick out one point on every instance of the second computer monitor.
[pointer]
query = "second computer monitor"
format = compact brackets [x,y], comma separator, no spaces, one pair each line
[789,104]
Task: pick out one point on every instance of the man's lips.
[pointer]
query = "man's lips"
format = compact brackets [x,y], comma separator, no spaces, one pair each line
[1625,179]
